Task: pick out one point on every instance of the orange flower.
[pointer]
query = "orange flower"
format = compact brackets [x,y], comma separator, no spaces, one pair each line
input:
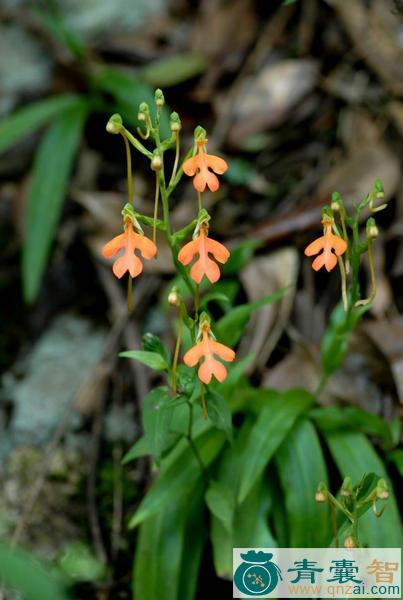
[129,241]
[207,348]
[327,242]
[203,246]
[199,166]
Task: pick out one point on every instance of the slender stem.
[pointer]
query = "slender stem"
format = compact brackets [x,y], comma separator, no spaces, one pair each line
[129,172]
[135,142]
[156,198]
[334,522]
[203,400]
[343,282]
[197,301]
[373,277]
[176,353]
[199,200]
[175,167]
[130,294]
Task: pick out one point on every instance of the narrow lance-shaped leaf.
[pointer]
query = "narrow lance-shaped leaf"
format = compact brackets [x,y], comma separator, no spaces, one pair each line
[49,180]
[26,120]
[272,425]
[301,467]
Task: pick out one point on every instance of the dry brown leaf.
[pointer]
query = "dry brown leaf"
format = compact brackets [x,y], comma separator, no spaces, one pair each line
[388,337]
[267,100]
[265,275]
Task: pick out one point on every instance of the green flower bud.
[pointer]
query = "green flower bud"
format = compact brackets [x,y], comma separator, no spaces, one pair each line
[159,98]
[175,122]
[114,125]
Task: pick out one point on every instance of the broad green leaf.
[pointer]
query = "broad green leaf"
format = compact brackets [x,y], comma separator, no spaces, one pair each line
[157,416]
[139,448]
[301,467]
[150,359]
[171,70]
[355,456]
[272,426]
[21,571]
[333,418]
[49,181]
[166,542]
[180,476]
[152,343]
[230,327]
[129,91]
[250,522]
[26,120]
[221,503]
[219,412]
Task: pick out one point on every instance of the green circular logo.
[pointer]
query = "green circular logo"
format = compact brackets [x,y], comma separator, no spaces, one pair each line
[257,575]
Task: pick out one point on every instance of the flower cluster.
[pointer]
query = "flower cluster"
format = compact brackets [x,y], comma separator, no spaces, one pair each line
[206,254]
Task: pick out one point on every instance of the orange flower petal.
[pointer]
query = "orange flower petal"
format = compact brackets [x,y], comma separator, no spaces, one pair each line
[315,247]
[147,247]
[191,165]
[127,262]
[219,251]
[205,266]
[210,368]
[216,163]
[200,182]
[222,351]
[192,356]
[339,245]
[113,247]
[188,251]
[212,181]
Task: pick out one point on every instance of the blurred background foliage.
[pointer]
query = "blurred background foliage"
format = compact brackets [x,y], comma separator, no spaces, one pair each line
[301,103]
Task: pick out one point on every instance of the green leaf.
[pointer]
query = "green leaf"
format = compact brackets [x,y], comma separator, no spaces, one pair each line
[335,341]
[171,70]
[169,550]
[21,571]
[180,476]
[301,466]
[250,521]
[150,359]
[334,418]
[49,180]
[272,425]
[157,416]
[152,343]
[219,412]
[26,120]
[139,448]
[355,457]
[221,503]
[230,327]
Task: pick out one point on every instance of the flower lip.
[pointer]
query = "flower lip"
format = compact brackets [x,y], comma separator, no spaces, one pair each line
[208,349]
[204,167]
[129,241]
[332,245]
[203,246]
